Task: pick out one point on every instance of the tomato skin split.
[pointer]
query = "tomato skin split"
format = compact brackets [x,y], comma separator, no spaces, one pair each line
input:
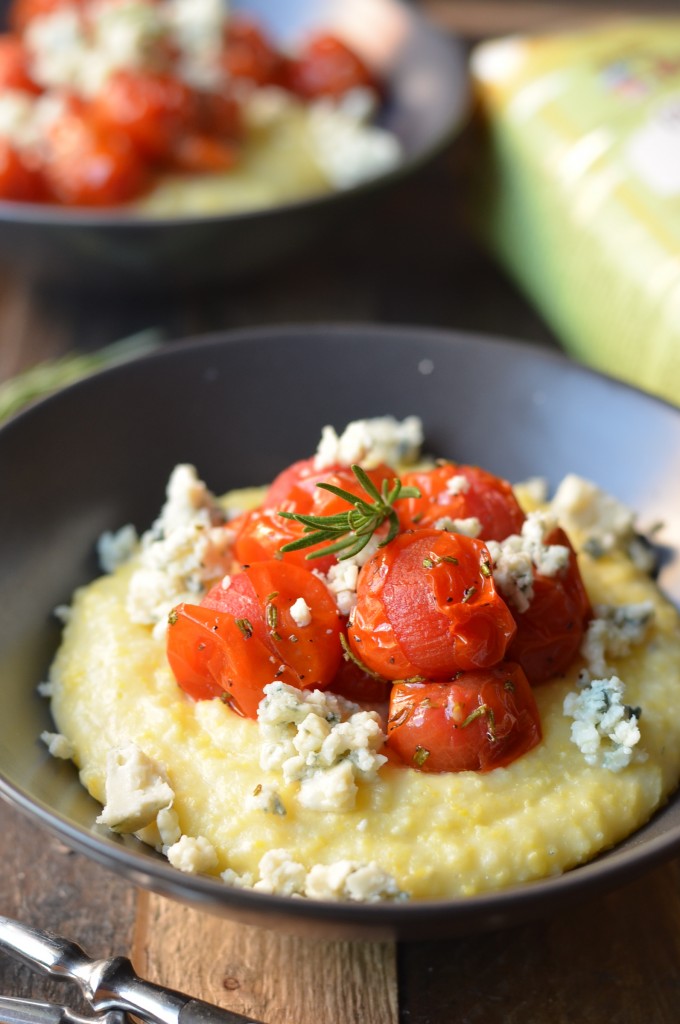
[481,721]
[427,607]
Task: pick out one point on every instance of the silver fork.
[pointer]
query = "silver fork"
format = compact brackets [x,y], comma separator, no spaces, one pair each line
[108,985]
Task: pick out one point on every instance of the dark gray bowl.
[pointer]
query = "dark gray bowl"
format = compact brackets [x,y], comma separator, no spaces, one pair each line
[240,407]
[428,99]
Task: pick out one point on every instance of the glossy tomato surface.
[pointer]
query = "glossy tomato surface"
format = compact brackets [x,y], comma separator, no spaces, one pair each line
[451,491]
[483,720]
[244,636]
[427,606]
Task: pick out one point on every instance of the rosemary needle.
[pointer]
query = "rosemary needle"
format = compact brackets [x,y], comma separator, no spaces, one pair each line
[349,532]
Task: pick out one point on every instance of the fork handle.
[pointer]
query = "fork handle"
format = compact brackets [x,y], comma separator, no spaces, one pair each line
[114,985]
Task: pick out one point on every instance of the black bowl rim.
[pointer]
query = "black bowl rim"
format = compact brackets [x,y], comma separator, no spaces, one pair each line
[462,915]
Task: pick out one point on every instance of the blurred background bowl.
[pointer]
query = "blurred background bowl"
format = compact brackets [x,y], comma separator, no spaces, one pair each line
[427,103]
[241,406]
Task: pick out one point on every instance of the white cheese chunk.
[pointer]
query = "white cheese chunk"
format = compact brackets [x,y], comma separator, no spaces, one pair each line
[186,550]
[584,510]
[193,854]
[301,613]
[604,728]
[58,745]
[137,788]
[613,631]
[369,442]
[516,558]
[322,741]
[348,149]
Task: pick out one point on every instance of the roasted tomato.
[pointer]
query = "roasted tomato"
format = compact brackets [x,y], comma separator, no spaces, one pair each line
[450,491]
[87,166]
[153,110]
[244,635]
[14,67]
[248,54]
[263,532]
[18,181]
[482,720]
[550,632]
[328,67]
[427,606]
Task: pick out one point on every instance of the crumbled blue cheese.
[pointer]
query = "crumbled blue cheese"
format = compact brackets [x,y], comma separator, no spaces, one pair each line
[325,743]
[601,521]
[266,798]
[67,51]
[193,854]
[114,548]
[370,442]
[469,527]
[517,557]
[457,484]
[58,745]
[186,550]
[604,728]
[342,577]
[347,147]
[344,880]
[197,28]
[137,789]
[613,631]
[301,613]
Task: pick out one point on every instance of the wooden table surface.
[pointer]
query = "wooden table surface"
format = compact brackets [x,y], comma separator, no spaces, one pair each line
[410,260]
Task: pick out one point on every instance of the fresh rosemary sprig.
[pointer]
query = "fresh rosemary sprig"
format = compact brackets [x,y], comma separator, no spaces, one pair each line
[349,532]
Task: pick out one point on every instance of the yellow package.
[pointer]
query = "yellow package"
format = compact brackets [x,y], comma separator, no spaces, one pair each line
[578,188]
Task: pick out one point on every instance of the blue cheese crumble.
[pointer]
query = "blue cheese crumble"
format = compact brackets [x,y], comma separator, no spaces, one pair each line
[323,742]
[370,442]
[343,880]
[187,549]
[516,558]
[604,728]
[613,631]
[137,789]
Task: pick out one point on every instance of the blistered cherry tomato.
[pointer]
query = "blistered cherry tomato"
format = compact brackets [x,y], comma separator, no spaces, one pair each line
[153,110]
[427,606]
[243,636]
[249,54]
[18,181]
[483,720]
[14,72]
[263,532]
[450,491]
[87,166]
[328,67]
[550,632]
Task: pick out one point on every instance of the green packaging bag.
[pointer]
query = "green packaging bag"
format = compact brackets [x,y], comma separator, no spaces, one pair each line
[578,188]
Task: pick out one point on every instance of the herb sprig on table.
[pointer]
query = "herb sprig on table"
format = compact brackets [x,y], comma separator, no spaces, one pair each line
[50,376]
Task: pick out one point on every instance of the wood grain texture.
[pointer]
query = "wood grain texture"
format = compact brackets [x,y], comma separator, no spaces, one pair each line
[277,978]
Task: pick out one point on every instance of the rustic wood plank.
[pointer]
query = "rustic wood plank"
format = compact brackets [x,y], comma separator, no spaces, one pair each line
[274,977]
[45,884]
[610,958]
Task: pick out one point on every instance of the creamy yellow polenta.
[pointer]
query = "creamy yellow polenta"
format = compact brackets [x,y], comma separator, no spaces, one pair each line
[437,835]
